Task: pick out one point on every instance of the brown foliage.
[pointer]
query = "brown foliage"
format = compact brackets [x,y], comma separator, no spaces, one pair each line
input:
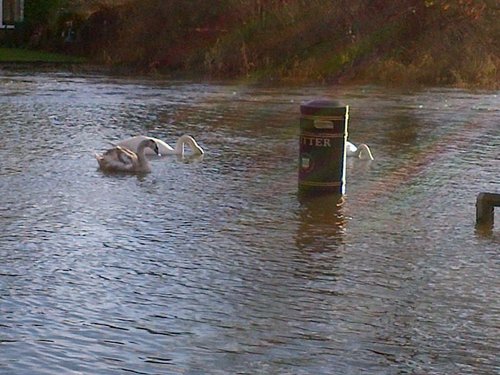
[419,41]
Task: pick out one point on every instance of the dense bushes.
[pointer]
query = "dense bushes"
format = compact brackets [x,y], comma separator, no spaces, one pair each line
[408,41]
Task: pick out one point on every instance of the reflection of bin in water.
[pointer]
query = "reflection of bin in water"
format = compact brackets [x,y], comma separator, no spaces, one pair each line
[323,136]
[322,223]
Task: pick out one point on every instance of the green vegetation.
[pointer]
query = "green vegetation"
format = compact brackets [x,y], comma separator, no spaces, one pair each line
[18,55]
[406,42]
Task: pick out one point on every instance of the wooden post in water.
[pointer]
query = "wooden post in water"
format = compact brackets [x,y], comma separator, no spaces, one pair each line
[485,204]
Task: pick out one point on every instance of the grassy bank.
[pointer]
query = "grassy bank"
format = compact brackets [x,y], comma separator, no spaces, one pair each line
[17,55]
[406,42]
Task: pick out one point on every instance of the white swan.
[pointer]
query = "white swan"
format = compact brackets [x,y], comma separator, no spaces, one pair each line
[362,151]
[120,159]
[164,148]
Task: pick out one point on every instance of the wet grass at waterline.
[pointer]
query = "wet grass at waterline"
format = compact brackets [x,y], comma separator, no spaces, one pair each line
[17,55]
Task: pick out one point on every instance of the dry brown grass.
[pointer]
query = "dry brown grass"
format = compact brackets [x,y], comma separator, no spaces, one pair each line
[406,42]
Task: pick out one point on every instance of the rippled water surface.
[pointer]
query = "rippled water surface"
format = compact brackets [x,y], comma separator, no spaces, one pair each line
[215,266]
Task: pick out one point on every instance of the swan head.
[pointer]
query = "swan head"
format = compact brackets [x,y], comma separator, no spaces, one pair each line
[150,143]
[155,148]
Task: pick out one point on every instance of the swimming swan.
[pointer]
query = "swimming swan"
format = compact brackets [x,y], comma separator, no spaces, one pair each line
[164,148]
[362,151]
[120,159]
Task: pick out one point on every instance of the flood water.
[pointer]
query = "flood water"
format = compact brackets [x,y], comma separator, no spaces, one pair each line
[215,266]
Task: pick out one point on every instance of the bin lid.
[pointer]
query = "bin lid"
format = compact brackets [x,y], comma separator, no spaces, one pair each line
[325,107]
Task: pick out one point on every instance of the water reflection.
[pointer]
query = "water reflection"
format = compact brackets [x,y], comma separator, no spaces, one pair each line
[140,176]
[322,223]
[402,134]
[190,158]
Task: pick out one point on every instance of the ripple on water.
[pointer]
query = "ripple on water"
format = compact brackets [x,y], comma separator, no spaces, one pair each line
[217,266]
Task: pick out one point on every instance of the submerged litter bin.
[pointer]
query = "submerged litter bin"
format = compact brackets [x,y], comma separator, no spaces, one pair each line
[323,136]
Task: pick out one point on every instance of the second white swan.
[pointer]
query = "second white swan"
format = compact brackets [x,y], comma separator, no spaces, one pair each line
[164,148]
[362,151]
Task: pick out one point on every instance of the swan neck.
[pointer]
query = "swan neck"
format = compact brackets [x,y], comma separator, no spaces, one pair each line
[362,150]
[141,150]
[141,153]
[179,146]
[187,139]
